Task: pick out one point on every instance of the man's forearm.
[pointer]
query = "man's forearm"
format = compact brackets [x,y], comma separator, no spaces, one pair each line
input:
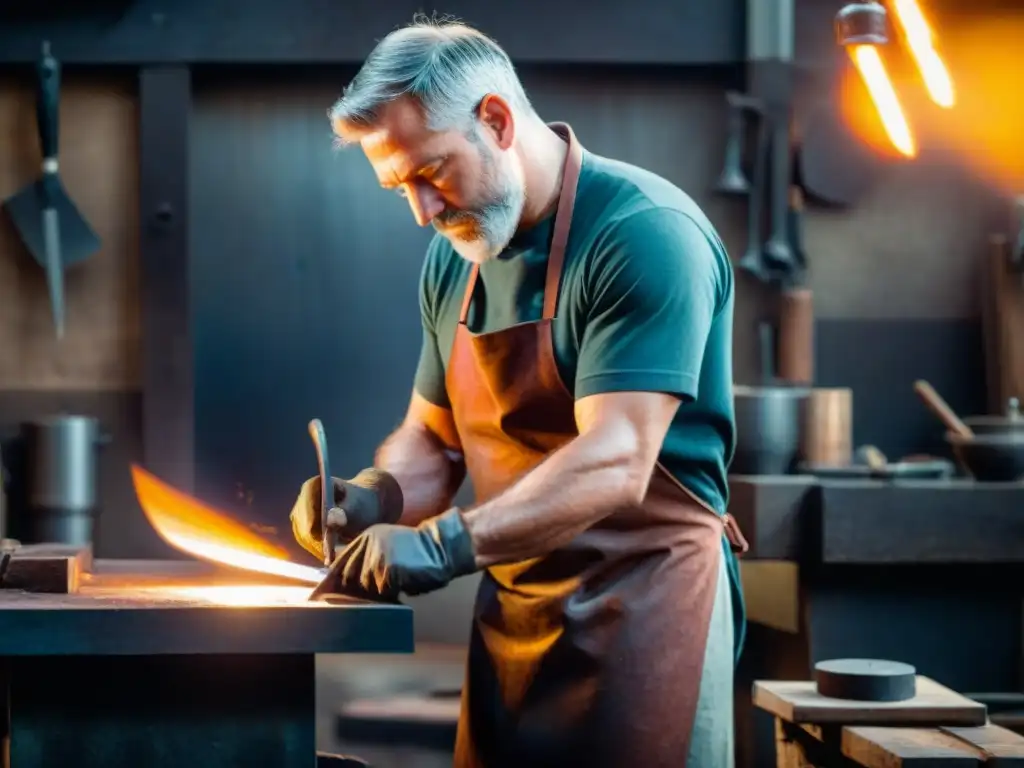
[577,486]
[420,463]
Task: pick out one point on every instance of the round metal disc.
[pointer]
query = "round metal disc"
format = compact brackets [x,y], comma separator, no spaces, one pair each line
[866,679]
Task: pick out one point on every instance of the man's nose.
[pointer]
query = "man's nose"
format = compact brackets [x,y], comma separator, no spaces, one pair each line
[425,202]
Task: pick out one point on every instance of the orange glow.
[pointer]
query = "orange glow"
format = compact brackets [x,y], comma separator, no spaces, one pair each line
[920,40]
[869,63]
[987,127]
[201,531]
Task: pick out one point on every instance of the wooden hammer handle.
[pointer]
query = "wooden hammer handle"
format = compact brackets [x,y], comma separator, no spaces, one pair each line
[941,408]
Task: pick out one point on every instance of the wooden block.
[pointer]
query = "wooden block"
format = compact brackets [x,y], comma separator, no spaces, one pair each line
[50,568]
[798,701]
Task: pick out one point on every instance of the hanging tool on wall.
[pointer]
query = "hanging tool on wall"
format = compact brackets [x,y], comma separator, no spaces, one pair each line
[733,180]
[770,74]
[51,227]
[770,29]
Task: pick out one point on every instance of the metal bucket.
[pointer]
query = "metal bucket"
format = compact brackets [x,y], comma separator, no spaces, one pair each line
[60,476]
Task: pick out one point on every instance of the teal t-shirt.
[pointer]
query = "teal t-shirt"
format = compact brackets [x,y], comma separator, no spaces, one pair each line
[645,304]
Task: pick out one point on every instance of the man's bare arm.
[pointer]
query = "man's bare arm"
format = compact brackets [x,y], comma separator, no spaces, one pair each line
[419,454]
[608,466]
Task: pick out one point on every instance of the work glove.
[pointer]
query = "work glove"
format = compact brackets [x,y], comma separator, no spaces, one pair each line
[369,498]
[386,560]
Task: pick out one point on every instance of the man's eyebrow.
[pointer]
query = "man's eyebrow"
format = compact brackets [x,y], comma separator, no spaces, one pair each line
[397,181]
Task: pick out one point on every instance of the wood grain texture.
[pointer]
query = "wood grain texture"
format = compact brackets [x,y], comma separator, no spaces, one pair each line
[905,748]
[798,701]
[101,350]
[987,745]
[1000,746]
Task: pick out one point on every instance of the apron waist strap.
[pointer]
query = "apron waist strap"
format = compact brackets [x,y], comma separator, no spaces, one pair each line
[737,540]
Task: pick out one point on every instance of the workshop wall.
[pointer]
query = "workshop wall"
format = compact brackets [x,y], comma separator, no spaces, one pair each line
[95,369]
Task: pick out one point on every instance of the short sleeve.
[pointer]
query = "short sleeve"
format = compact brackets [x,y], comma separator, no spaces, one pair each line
[429,382]
[653,292]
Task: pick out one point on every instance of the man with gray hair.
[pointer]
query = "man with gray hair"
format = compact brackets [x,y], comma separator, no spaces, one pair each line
[576,361]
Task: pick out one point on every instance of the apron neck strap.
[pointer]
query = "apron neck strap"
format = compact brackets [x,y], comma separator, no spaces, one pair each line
[560,236]
[563,217]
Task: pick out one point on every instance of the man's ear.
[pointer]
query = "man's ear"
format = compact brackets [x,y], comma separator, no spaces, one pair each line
[496,117]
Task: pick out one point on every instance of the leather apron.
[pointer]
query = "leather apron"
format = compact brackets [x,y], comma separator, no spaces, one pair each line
[593,654]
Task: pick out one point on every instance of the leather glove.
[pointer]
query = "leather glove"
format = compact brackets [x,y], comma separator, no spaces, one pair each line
[388,559]
[369,498]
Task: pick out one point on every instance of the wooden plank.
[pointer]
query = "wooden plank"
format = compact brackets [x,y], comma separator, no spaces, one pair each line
[798,701]
[1002,748]
[47,568]
[168,421]
[906,748]
[318,32]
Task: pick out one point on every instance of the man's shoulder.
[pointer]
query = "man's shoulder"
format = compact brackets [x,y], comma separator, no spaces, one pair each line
[613,192]
[629,213]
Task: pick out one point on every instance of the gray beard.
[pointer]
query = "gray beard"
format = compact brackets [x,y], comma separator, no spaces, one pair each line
[496,222]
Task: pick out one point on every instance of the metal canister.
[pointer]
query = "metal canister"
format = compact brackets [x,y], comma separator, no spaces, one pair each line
[61,469]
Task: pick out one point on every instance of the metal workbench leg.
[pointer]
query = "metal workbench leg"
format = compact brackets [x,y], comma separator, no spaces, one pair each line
[162,711]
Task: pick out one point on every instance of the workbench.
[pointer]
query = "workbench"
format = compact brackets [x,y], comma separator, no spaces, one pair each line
[176,664]
[930,573]
[937,727]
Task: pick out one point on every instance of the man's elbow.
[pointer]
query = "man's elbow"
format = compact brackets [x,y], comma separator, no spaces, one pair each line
[631,470]
[637,479]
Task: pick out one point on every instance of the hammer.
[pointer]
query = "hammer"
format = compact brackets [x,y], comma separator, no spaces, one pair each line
[316,431]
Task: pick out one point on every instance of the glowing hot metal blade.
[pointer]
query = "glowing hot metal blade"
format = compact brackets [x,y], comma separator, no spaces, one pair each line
[204,532]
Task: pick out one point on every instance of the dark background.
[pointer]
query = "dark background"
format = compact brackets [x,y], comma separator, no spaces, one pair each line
[281,283]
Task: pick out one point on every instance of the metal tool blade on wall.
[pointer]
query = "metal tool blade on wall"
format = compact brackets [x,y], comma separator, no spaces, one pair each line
[816,153]
[49,224]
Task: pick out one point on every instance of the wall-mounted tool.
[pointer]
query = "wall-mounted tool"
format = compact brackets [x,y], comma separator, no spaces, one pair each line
[752,261]
[770,30]
[49,224]
[732,180]
[834,167]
